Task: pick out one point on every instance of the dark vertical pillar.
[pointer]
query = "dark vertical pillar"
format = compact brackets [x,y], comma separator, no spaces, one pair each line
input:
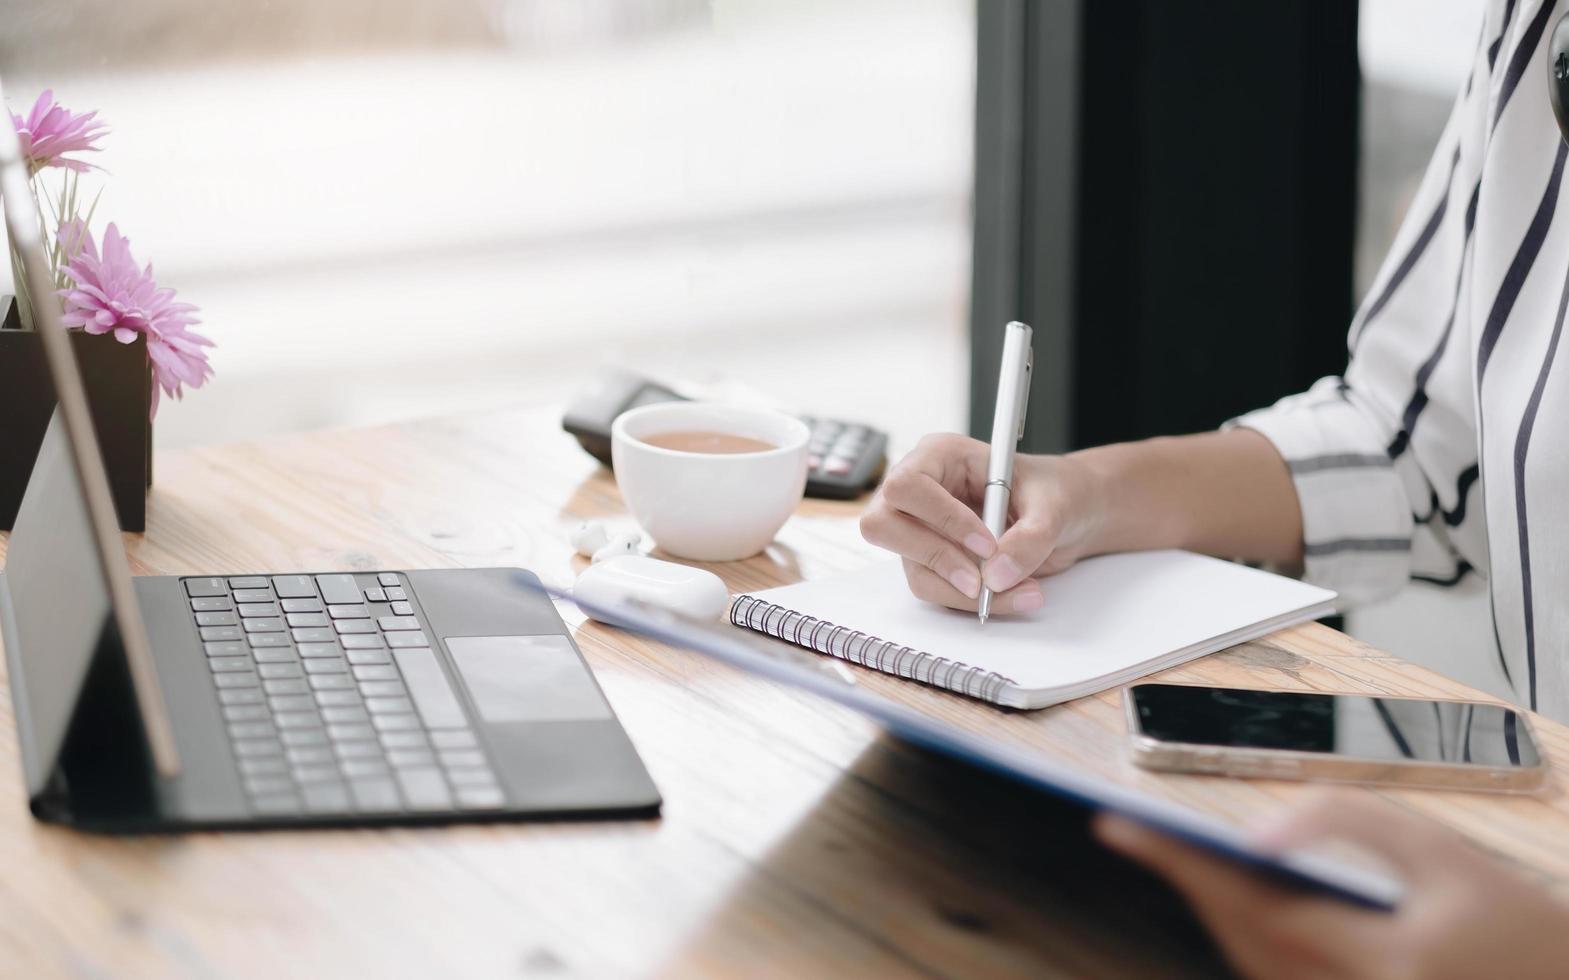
[1165,190]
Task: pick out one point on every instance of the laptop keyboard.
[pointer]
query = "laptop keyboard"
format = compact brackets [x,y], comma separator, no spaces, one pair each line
[334,700]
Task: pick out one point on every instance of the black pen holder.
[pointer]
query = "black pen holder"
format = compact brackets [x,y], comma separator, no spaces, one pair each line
[118,382]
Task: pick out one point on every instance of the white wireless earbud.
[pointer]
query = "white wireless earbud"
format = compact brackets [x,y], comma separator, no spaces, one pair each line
[588,537]
[621,544]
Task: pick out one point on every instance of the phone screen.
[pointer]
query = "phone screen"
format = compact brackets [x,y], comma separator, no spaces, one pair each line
[1377,729]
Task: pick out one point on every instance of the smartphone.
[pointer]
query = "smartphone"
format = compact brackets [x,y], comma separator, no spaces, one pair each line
[1333,737]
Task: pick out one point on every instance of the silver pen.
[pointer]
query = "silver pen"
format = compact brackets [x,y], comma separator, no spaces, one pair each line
[1013,397]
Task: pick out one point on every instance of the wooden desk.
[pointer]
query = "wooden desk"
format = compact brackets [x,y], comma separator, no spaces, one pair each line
[795,841]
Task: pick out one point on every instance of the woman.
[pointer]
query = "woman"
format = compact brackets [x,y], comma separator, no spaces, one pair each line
[1439,454]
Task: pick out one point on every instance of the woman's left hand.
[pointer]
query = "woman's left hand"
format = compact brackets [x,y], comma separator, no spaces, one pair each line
[1464,913]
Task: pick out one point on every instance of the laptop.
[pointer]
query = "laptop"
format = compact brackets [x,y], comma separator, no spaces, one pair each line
[261,699]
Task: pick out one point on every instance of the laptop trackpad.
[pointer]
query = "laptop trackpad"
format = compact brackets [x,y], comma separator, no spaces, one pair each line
[527,678]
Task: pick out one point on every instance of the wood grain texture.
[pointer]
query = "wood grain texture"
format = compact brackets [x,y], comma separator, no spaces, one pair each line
[796,840]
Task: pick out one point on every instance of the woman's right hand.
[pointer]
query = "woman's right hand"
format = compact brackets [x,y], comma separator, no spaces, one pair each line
[928,512]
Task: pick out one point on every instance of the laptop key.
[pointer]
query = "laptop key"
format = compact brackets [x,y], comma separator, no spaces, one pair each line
[387,578]
[236,680]
[377,672]
[251,610]
[279,671]
[424,789]
[229,665]
[332,682]
[403,608]
[297,719]
[406,758]
[396,595]
[313,634]
[350,733]
[248,582]
[266,765]
[198,588]
[357,750]
[293,737]
[252,747]
[252,729]
[311,605]
[359,611]
[375,595]
[306,619]
[337,699]
[245,712]
[481,798]
[453,739]
[261,785]
[273,655]
[414,739]
[212,604]
[294,586]
[394,723]
[225,618]
[354,626]
[319,666]
[369,657]
[243,596]
[389,706]
[462,758]
[267,639]
[375,795]
[361,641]
[244,695]
[431,692]
[286,685]
[470,777]
[363,767]
[381,689]
[326,798]
[316,773]
[292,702]
[390,623]
[338,589]
[406,640]
[310,755]
[267,624]
[276,806]
[226,648]
[318,649]
[221,632]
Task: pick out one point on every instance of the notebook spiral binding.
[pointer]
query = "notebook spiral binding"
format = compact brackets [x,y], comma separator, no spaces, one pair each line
[868,651]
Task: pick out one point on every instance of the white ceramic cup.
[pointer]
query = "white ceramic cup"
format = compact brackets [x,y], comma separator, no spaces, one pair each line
[710,506]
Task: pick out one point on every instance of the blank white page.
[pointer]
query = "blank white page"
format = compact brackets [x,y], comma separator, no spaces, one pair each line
[1106,620]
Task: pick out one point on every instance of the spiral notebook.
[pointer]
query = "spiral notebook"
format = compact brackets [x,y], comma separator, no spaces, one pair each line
[1107,621]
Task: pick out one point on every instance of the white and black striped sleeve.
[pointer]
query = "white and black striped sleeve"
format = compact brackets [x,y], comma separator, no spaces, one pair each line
[1348,442]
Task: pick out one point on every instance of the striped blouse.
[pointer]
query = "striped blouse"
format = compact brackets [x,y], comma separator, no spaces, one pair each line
[1442,451]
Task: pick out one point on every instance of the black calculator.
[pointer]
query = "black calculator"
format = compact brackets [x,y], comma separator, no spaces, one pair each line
[845,459]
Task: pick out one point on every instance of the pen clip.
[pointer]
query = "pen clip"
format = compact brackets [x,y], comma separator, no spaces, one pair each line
[1024,391]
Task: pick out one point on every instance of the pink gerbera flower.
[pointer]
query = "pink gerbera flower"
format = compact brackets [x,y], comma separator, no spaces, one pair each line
[50,131]
[109,294]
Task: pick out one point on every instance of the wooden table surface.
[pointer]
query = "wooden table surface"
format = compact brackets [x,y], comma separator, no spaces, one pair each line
[796,840]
